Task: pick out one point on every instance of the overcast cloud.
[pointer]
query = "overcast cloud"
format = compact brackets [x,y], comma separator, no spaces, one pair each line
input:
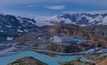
[49,6]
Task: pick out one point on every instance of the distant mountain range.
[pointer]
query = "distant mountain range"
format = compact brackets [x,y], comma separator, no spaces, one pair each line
[13,26]
[77,18]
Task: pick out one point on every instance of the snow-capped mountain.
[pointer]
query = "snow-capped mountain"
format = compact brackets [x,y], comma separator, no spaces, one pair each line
[12,26]
[77,18]
[45,20]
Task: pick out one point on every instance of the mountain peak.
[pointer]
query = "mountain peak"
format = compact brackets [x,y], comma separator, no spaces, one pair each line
[76,18]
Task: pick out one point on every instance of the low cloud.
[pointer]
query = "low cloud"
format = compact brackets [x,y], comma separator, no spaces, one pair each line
[56,7]
[91,12]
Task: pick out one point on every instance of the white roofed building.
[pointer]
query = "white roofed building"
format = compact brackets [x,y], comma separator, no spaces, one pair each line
[62,39]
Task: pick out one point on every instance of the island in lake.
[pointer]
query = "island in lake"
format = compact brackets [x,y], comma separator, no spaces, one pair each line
[27,61]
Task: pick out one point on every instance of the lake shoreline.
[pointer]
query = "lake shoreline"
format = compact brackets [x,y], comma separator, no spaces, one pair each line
[47,52]
[64,54]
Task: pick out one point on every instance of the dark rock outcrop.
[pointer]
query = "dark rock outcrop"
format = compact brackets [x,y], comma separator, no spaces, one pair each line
[27,61]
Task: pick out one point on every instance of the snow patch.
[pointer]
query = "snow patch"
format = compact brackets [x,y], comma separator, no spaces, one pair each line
[20,30]
[104,20]
[10,38]
[1,31]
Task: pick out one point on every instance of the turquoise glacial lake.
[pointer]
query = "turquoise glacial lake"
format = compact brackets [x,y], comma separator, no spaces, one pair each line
[44,58]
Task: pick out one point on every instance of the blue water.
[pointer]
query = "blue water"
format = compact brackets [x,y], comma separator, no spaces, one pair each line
[44,58]
[77,39]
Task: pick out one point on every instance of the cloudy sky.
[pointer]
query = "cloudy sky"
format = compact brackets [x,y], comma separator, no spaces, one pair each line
[51,7]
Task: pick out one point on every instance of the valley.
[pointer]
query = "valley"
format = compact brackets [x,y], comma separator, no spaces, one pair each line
[86,40]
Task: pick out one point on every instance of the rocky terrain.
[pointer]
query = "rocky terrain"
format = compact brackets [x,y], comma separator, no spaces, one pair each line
[76,61]
[30,36]
[27,61]
[96,35]
[12,26]
[101,61]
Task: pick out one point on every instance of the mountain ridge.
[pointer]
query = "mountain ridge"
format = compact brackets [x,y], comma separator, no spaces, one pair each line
[82,19]
[12,26]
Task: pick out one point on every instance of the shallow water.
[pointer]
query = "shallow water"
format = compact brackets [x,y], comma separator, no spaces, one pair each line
[44,58]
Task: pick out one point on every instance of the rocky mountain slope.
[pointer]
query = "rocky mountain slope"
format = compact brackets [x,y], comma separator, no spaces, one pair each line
[101,61]
[90,33]
[13,26]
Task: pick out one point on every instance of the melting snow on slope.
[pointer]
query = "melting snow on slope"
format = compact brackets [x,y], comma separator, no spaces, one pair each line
[10,38]
[104,21]
[45,20]
[20,30]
